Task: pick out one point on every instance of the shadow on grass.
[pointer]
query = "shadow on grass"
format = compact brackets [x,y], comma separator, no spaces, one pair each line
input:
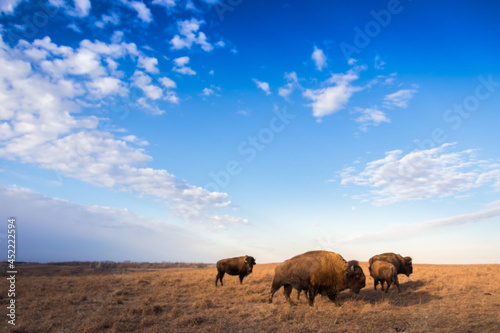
[409,296]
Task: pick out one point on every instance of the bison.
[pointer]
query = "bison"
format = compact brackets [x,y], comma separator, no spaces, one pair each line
[382,271]
[241,266]
[317,272]
[403,265]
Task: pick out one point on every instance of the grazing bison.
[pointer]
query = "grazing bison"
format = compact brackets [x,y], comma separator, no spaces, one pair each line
[382,271]
[403,265]
[317,272]
[241,266]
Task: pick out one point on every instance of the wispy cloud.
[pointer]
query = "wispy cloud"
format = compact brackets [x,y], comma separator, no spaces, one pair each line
[378,64]
[422,174]
[264,86]
[335,96]
[164,3]
[370,117]
[142,10]
[412,230]
[290,86]
[96,232]
[143,81]
[399,98]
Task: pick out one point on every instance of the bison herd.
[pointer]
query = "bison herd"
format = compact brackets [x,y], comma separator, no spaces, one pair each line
[322,272]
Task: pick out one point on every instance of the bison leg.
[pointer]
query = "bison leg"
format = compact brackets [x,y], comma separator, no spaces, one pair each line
[396,282]
[274,288]
[220,275]
[287,290]
[312,295]
[333,297]
[306,292]
[388,286]
[375,283]
[241,278]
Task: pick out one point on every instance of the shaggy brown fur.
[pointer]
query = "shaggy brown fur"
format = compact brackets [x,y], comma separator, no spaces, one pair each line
[317,272]
[403,265]
[241,266]
[383,271]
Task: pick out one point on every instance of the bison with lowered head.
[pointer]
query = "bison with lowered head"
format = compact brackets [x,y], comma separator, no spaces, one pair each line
[382,271]
[241,266]
[403,265]
[317,272]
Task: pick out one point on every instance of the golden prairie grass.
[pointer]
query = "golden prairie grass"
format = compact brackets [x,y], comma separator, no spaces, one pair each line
[436,298]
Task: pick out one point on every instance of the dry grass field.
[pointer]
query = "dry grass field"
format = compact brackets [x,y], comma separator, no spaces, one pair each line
[436,298]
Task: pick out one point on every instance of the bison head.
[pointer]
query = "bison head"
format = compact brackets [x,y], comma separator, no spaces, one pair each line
[408,267]
[249,263]
[355,276]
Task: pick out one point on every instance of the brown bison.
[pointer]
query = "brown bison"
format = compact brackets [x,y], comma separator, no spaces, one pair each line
[382,271]
[403,265]
[317,272]
[241,266]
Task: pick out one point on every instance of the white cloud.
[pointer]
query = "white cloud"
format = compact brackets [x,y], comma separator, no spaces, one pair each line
[171,97]
[81,7]
[351,61]
[384,80]
[190,6]
[184,70]
[134,139]
[40,93]
[180,66]
[378,63]
[149,64]
[319,58]
[400,98]
[189,35]
[104,86]
[212,90]
[332,98]
[142,10]
[143,82]
[164,3]
[167,82]
[59,61]
[370,117]
[264,86]
[8,6]
[288,88]
[153,109]
[181,61]
[92,232]
[422,174]
[112,19]
[208,92]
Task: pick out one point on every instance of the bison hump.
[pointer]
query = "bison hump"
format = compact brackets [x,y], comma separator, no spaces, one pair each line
[322,269]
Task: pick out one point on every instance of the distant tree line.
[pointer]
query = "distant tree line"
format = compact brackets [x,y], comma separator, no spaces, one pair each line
[113,265]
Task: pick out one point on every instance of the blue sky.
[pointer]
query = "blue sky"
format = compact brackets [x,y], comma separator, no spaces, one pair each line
[172,130]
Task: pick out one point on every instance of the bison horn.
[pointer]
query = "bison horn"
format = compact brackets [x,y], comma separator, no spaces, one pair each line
[352,268]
